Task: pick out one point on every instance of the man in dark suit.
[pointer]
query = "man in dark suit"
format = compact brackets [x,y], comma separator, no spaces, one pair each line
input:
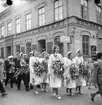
[7,69]
[97,75]
[3,92]
[17,67]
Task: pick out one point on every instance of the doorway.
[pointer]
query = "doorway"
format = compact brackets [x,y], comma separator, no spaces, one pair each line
[18,48]
[8,49]
[41,45]
[2,52]
[28,48]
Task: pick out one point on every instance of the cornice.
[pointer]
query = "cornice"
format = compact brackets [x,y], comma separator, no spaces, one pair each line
[73,20]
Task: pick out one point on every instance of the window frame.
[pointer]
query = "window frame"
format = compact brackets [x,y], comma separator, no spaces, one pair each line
[85,44]
[84,5]
[2,31]
[18,25]
[57,8]
[28,21]
[9,28]
[99,20]
[41,15]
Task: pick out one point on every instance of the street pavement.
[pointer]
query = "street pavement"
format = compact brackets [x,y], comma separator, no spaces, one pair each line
[22,97]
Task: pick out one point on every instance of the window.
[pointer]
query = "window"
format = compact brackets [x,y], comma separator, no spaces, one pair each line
[2,52]
[84,9]
[18,25]
[41,16]
[99,44]
[9,28]
[58,10]
[2,31]
[28,21]
[98,13]
[85,44]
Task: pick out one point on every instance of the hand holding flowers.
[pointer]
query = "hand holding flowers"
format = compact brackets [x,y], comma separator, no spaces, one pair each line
[58,68]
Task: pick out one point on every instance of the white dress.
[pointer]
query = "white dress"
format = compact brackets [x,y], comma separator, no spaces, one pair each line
[31,63]
[80,81]
[37,80]
[45,75]
[69,83]
[54,82]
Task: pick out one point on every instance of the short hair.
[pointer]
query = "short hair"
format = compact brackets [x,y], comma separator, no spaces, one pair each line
[99,55]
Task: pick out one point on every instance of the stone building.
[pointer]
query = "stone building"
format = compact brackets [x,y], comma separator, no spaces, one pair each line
[39,24]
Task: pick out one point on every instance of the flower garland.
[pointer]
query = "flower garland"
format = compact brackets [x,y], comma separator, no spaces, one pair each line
[74,71]
[58,68]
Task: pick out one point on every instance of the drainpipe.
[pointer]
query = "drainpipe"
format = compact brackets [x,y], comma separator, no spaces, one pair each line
[67,25]
[12,44]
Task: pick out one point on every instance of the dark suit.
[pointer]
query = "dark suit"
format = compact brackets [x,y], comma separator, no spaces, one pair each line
[18,67]
[9,74]
[97,77]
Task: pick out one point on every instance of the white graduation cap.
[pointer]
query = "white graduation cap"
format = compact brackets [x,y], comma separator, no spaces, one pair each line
[31,53]
[69,53]
[78,50]
[10,57]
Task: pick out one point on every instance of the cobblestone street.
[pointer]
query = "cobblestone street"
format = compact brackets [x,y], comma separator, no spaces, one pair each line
[21,97]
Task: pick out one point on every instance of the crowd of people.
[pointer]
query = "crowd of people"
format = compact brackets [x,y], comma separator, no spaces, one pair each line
[41,69]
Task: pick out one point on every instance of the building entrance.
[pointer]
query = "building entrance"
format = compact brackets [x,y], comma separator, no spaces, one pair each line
[28,48]
[8,49]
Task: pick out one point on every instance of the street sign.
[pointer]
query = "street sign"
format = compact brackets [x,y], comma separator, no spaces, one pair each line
[65,39]
[93,49]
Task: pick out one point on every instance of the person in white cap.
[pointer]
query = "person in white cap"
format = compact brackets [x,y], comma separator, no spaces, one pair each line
[80,81]
[55,82]
[69,82]
[31,58]
[34,79]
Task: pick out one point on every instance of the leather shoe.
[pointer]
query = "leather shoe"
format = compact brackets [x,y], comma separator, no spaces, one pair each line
[92,97]
[4,94]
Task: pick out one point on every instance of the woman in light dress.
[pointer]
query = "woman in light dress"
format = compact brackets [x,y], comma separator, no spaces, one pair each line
[34,79]
[30,67]
[69,82]
[80,81]
[55,82]
[90,67]
[45,74]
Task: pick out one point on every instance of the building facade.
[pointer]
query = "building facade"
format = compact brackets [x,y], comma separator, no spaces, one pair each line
[39,24]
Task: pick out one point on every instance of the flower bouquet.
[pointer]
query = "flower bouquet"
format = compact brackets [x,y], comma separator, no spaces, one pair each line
[83,69]
[74,71]
[38,69]
[45,65]
[58,68]
[12,68]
